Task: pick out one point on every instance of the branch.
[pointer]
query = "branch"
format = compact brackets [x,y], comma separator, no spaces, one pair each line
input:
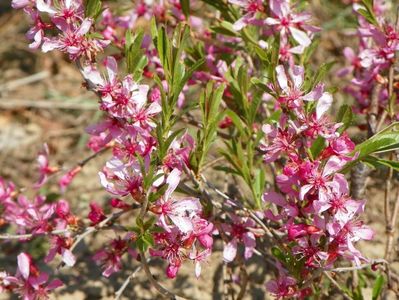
[119,292]
[336,284]
[162,290]
[30,235]
[364,266]
[104,223]
[14,84]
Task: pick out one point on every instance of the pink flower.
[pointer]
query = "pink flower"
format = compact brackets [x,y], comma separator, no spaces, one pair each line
[283,287]
[96,214]
[61,246]
[29,283]
[251,8]
[289,24]
[44,167]
[179,152]
[279,141]
[292,96]
[74,41]
[67,178]
[198,258]
[170,247]
[320,182]
[122,179]
[240,230]
[288,209]
[68,11]
[36,33]
[110,259]
[181,211]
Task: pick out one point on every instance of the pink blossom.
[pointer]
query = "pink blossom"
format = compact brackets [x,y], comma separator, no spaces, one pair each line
[68,11]
[180,211]
[73,40]
[240,230]
[29,283]
[120,179]
[283,287]
[96,214]
[110,259]
[290,24]
[170,247]
[61,246]
[44,167]
[198,258]
[251,8]
[67,178]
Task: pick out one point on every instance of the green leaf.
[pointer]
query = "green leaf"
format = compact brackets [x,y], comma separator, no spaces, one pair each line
[93,8]
[135,58]
[378,143]
[277,253]
[317,146]
[237,121]
[225,28]
[368,12]
[375,161]
[322,72]
[345,116]
[377,288]
[185,6]
[155,196]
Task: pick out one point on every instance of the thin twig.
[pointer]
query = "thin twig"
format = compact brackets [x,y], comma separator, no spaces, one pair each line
[119,292]
[30,235]
[390,228]
[162,290]
[104,223]
[12,85]
[7,103]
[364,266]
[344,294]
[83,162]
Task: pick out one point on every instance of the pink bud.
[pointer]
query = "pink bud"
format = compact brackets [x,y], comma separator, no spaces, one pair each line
[206,241]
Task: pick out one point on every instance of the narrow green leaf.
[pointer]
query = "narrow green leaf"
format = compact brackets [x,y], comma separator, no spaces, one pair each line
[92,8]
[317,146]
[236,120]
[185,6]
[322,72]
[345,116]
[375,161]
[377,288]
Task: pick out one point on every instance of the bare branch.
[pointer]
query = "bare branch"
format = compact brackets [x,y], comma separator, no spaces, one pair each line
[364,266]
[344,294]
[30,235]
[119,292]
[162,290]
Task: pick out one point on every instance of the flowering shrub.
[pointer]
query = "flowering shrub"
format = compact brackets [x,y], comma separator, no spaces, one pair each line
[243,81]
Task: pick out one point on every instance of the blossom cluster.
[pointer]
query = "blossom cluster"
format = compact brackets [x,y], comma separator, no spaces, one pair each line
[315,213]
[314,220]
[370,63]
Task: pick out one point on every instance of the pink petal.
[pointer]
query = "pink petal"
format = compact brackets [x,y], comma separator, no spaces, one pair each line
[56,283]
[300,36]
[282,77]
[68,258]
[84,27]
[230,251]
[172,181]
[323,104]
[24,265]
